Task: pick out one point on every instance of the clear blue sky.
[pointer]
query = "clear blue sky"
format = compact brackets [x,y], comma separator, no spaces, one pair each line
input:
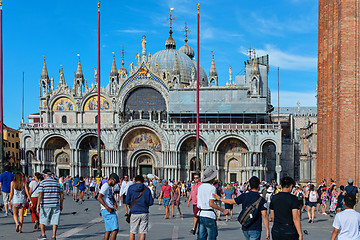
[285,29]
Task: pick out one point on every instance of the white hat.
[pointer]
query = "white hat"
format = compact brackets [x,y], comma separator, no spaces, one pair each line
[209,174]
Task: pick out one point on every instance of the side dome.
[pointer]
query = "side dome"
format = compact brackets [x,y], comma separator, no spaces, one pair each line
[189,51]
[166,59]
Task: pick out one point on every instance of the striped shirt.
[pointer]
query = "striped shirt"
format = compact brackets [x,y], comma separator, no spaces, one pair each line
[51,192]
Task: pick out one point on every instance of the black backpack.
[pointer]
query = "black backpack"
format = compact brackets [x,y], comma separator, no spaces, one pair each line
[248,214]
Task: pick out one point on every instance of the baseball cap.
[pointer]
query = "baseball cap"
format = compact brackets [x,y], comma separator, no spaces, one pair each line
[350,181]
[47,171]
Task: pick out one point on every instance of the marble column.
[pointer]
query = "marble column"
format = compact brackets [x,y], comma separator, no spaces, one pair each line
[278,167]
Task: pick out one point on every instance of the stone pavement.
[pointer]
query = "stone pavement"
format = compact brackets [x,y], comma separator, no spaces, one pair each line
[89,225]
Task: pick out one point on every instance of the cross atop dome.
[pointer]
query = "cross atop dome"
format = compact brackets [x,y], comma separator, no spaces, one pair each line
[171,19]
[186,31]
[170,42]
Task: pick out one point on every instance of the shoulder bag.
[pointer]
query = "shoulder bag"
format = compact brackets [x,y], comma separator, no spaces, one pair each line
[136,199]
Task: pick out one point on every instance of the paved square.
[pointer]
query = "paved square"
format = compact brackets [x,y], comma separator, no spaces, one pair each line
[89,225]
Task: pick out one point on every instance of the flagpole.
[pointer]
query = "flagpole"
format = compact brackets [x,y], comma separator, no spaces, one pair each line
[98,101]
[1,94]
[198,167]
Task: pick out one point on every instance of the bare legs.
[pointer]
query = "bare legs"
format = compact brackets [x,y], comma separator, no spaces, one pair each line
[18,214]
[132,236]
[167,212]
[112,235]
[126,208]
[42,227]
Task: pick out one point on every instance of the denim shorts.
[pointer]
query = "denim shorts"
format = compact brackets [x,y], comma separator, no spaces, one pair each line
[166,202]
[49,215]
[207,229]
[312,204]
[110,219]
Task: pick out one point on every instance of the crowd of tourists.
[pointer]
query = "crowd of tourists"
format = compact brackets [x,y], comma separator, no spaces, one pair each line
[262,202]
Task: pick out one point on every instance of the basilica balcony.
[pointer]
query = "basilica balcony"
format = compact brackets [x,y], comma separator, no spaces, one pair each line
[165,126]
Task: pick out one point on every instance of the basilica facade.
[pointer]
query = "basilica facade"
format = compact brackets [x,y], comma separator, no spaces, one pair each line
[148,119]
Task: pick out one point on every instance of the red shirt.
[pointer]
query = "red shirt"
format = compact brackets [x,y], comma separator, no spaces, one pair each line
[166,191]
[194,192]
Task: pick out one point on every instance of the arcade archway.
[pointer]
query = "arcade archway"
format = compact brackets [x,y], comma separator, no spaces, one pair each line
[233,155]
[142,149]
[188,157]
[89,157]
[57,155]
[269,160]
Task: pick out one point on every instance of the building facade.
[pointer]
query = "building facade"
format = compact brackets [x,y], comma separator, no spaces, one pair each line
[12,147]
[338,91]
[148,119]
[299,137]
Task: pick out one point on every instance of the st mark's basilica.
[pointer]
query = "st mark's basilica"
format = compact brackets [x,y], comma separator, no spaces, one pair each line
[148,119]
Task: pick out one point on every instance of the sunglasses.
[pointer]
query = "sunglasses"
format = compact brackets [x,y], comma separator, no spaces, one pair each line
[196,177]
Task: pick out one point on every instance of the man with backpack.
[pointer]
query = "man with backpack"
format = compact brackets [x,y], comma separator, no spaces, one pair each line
[284,211]
[253,211]
[352,189]
[139,198]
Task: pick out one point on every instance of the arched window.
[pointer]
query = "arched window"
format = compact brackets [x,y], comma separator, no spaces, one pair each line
[96,119]
[64,119]
[143,100]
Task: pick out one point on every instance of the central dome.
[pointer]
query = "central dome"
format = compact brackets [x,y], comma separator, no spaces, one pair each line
[166,59]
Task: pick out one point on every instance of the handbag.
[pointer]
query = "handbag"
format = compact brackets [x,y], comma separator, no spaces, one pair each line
[136,199]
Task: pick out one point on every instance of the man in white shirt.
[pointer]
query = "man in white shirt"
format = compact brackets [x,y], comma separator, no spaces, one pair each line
[109,207]
[123,192]
[206,205]
[346,223]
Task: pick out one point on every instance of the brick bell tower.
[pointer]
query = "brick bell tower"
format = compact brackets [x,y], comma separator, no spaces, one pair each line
[338,91]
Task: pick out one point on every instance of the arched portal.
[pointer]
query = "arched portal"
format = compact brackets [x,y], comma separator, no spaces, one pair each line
[233,160]
[142,150]
[57,155]
[269,160]
[188,157]
[144,164]
[88,156]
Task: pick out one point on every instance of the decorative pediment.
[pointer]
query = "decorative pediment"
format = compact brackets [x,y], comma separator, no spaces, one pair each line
[143,73]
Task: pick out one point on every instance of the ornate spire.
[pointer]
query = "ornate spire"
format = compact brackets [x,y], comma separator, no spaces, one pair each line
[122,70]
[176,68]
[79,73]
[113,67]
[44,73]
[254,67]
[212,68]
[170,42]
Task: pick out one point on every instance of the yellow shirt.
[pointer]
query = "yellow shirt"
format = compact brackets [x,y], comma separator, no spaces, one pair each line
[98,180]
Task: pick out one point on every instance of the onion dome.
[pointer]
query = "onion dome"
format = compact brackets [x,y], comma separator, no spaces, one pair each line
[189,51]
[170,42]
[166,61]
[123,70]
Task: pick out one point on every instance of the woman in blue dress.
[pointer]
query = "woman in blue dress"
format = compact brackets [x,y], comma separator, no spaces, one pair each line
[229,194]
[82,187]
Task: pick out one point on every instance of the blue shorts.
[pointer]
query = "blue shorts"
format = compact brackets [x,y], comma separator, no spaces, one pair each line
[110,219]
[312,204]
[166,201]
